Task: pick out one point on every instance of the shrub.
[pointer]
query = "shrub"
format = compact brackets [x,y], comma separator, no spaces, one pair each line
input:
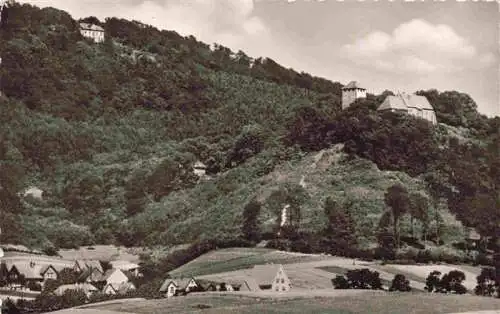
[487,282]
[450,282]
[34,286]
[340,282]
[364,279]
[400,283]
[432,281]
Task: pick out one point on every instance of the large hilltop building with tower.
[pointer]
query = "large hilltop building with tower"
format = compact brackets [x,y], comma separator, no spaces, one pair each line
[412,104]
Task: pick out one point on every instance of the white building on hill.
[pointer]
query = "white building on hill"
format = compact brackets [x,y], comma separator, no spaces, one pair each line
[94,32]
[412,104]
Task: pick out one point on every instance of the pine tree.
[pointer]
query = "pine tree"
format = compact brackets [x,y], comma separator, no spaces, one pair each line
[250,228]
[340,230]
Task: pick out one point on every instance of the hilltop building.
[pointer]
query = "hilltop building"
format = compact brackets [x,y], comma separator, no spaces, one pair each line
[412,104]
[94,32]
[4,4]
[351,92]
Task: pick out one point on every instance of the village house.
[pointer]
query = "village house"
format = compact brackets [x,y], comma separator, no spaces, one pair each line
[90,275]
[94,32]
[271,276]
[121,288]
[172,287]
[49,272]
[113,276]
[22,274]
[351,92]
[411,104]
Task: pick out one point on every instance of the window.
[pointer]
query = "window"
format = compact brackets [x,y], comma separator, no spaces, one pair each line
[277,288]
[283,288]
[277,280]
[282,280]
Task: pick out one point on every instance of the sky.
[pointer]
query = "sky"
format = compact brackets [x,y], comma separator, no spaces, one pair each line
[396,45]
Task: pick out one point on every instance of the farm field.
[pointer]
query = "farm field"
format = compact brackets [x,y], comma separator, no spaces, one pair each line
[366,302]
[232,259]
[309,271]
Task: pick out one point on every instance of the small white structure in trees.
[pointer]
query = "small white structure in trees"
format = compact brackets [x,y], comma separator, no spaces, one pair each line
[34,192]
[285,213]
[200,169]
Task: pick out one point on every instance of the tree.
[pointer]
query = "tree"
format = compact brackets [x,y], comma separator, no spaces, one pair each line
[452,282]
[385,237]
[397,199]
[487,282]
[340,282]
[291,197]
[67,276]
[171,175]
[432,282]
[250,227]
[400,283]
[419,210]
[340,229]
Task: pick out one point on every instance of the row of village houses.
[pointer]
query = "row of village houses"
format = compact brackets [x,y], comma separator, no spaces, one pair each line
[22,275]
[271,277]
[93,278]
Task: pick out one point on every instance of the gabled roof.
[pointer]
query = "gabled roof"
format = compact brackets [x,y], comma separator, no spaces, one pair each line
[180,284]
[109,273]
[91,27]
[93,275]
[44,269]
[120,288]
[353,85]
[27,270]
[265,274]
[183,283]
[393,102]
[405,101]
[167,283]
[89,264]
[124,265]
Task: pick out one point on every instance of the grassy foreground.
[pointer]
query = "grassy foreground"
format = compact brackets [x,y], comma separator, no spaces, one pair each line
[368,302]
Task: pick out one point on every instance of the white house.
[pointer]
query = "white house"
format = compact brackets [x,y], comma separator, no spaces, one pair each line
[351,92]
[94,32]
[114,276]
[271,276]
[171,286]
[412,104]
[122,288]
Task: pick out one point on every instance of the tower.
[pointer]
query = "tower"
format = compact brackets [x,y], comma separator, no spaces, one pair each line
[351,92]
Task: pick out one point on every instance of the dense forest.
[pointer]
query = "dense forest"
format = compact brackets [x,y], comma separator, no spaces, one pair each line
[110,131]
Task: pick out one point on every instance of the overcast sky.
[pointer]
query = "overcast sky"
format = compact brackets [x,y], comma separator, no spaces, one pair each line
[397,45]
